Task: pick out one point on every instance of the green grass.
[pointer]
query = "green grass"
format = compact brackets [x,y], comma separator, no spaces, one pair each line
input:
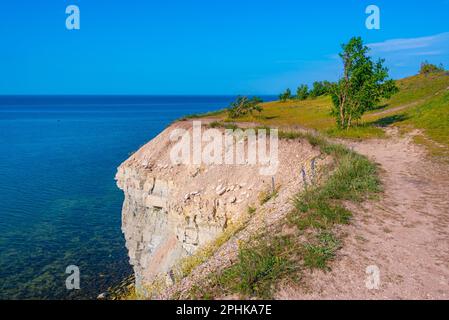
[318,254]
[309,114]
[416,88]
[211,114]
[427,98]
[313,113]
[430,111]
[225,125]
[362,131]
[258,267]
[290,135]
[353,179]
[314,211]
[421,96]
[433,118]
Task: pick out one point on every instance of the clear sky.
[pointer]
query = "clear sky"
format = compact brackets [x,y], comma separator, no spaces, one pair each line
[205,46]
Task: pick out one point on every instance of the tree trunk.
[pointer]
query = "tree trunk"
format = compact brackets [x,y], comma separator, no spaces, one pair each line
[342,115]
[342,109]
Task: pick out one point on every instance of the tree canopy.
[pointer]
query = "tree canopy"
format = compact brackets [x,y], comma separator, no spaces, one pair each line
[320,88]
[286,95]
[363,85]
[427,68]
[243,105]
[302,92]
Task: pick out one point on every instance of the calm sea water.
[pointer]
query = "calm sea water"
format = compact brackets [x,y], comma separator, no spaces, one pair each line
[59,204]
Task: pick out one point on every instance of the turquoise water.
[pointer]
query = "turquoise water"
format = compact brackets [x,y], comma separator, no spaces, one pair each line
[59,204]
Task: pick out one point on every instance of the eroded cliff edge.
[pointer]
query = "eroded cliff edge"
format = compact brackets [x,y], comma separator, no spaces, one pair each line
[171,210]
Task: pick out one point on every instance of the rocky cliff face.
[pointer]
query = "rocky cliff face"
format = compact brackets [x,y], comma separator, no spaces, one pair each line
[170,210]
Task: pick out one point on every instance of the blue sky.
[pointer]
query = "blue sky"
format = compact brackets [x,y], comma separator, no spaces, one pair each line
[205,46]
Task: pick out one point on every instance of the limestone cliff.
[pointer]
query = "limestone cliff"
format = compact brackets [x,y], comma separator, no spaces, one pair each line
[170,210]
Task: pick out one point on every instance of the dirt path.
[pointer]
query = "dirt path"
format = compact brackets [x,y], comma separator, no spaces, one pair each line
[395,109]
[405,234]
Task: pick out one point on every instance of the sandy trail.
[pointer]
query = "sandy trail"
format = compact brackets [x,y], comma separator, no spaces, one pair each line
[396,109]
[405,233]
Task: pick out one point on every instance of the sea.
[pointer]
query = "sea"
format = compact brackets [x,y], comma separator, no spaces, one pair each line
[59,204]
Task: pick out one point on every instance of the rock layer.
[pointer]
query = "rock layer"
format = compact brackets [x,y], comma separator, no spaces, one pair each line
[171,210]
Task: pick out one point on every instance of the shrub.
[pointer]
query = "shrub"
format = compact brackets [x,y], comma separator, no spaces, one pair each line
[320,88]
[243,105]
[287,95]
[302,92]
[427,68]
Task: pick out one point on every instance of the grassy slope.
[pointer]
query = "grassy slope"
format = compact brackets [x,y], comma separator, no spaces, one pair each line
[433,117]
[422,102]
[427,98]
[418,87]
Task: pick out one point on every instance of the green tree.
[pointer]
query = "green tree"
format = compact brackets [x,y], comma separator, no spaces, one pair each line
[327,86]
[257,108]
[320,88]
[243,105]
[302,92]
[427,68]
[287,95]
[317,89]
[363,85]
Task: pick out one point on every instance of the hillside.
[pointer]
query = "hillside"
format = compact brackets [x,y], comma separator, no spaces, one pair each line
[422,102]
